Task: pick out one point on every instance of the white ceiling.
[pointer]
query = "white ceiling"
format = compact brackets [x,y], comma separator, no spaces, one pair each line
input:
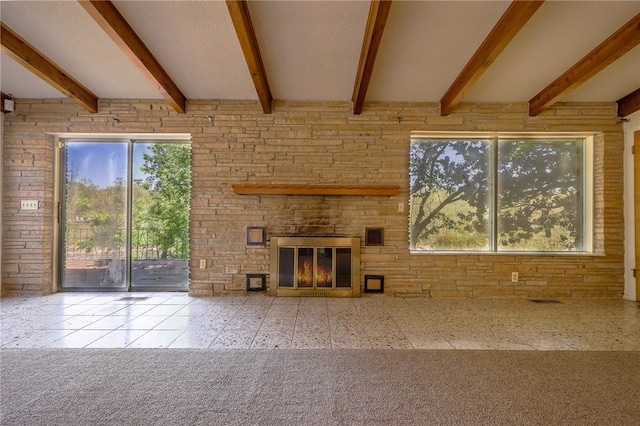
[311,49]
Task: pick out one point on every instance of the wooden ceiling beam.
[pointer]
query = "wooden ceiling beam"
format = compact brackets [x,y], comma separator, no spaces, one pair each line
[33,60]
[619,43]
[629,104]
[378,14]
[511,22]
[114,24]
[239,12]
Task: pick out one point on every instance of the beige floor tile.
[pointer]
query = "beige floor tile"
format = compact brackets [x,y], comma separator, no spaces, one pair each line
[156,339]
[260,321]
[312,321]
[239,322]
[117,339]
[233,339]
[143,322]
[389,341]
[311,339]
[467,340]
[347,340]
[195,338]
[272,339]
[427,340]
[278,322]
[38,339]
[174,323]
[508,342]
[78,339]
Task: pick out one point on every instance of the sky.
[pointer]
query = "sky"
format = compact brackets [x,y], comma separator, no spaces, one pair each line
[103,162]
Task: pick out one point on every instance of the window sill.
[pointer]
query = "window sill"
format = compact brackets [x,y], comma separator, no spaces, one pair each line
[509,253]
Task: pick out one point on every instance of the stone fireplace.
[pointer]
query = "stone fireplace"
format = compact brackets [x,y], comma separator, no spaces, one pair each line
[315,266]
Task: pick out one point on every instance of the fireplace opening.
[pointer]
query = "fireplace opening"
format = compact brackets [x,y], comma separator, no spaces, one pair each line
[315,266]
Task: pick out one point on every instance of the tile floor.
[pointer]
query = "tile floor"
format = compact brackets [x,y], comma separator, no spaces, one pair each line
[257,321]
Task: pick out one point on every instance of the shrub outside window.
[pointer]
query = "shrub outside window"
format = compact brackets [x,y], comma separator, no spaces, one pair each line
[500,194]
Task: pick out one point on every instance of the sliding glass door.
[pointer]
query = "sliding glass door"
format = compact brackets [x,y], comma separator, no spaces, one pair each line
[161,195]
[125,215]
[95,215]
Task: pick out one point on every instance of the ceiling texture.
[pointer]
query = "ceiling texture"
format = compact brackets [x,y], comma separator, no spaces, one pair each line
[540,52]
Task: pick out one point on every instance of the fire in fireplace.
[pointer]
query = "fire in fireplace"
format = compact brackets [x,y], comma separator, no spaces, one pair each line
[315,266]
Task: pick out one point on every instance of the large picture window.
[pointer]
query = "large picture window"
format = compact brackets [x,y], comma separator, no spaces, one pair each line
[500,194]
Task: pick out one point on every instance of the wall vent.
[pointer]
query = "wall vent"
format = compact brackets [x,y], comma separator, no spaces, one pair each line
[314,294]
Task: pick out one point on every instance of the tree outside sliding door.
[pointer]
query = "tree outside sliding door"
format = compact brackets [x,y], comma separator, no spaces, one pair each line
[160,215]
[125,222]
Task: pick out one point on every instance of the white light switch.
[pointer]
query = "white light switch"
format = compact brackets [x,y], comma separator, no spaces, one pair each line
[9,105]
[400,207]
[28,204]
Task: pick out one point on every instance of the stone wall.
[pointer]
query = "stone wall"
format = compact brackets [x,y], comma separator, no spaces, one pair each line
[304,142]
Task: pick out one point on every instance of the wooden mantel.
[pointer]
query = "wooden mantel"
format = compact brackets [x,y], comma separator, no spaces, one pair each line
[309,189]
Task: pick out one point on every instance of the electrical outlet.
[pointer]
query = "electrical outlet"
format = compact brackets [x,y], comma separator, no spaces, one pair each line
[203,263]
[28,204]
[514,277]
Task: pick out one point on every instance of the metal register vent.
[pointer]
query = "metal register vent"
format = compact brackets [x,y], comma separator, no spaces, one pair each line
[315,266]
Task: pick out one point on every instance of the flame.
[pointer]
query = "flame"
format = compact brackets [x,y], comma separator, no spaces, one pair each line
[323,276]
[305,274]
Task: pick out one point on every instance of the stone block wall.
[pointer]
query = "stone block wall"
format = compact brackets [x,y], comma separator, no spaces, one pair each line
[317,143]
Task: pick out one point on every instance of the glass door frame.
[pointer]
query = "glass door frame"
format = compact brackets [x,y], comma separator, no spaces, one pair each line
[636,191]
[60,215]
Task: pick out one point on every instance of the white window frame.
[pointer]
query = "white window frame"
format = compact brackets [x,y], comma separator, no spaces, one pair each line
[588,183]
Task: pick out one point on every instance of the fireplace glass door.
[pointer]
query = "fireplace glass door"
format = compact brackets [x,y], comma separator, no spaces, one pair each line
[286,266]
[305,267]
[314,267]
[324,267]
[343,267]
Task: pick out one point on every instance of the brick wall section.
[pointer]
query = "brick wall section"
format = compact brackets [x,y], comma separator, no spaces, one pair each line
[27,236]
[320,142]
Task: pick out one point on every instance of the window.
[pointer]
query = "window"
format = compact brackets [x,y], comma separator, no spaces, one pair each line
[500,194]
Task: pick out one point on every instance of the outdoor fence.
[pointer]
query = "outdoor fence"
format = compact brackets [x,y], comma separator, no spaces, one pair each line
[95,243]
